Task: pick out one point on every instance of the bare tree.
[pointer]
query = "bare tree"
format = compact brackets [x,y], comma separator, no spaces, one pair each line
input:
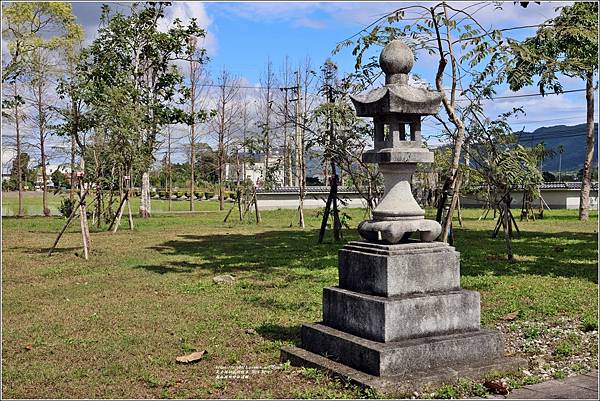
[17,101]
[198,93]
[223,123]
[268,82]
[39,84]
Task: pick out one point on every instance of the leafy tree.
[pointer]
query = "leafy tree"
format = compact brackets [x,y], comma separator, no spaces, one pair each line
[567,45]
[59,179]
[131,86]
[548,176]
[501,165]
[30,28]
[470,61]
[342,137]
[22,164]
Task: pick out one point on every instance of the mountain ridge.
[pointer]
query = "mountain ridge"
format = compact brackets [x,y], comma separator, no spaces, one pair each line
[572,137]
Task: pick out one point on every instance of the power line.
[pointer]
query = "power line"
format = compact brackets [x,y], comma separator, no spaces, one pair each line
[536,94]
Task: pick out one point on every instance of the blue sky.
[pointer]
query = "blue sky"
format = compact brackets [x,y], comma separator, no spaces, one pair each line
[242,36]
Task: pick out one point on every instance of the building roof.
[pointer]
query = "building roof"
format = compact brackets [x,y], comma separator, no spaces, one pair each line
[309,189]
[574,185]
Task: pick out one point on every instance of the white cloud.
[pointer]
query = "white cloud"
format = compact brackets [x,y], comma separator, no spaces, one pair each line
[185,11]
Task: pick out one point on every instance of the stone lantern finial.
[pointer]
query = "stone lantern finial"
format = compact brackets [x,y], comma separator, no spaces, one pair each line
[396,60]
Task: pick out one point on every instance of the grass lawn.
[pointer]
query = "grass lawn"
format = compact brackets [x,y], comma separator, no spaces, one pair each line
[32,204]
[111,327]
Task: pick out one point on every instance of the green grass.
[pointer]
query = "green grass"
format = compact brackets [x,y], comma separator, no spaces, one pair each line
[111,327]
[32,204]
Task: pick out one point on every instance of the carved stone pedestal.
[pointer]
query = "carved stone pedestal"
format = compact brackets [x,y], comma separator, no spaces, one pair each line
[400,319]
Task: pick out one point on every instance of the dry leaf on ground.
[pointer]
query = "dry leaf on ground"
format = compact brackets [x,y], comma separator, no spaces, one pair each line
[190,358]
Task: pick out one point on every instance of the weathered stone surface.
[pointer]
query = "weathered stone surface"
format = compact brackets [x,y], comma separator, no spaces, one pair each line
[400,317]
[223,279]
[398,269]
[402,357]
[400,312]
[395,385]
[394,231]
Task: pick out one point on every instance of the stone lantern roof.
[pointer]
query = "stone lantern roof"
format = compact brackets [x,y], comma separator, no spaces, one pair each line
[396,97]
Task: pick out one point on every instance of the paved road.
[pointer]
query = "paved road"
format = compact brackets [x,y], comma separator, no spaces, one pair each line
[574,388]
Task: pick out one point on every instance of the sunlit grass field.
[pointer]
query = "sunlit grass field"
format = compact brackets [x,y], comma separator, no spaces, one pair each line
[112,326]
[32,204]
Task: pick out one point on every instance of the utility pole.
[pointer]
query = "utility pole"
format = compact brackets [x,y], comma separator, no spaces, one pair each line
[286,155]
[299,153]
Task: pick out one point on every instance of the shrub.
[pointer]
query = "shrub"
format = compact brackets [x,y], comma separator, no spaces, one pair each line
[198,195]
[563,349]
[532,332]
[589,323]
[209,195]
[66,207]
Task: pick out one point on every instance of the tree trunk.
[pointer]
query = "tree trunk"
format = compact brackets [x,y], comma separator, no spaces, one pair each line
[221,155]
[300,155]
[193,133]
[170,191]
[19,167]
[42,132]
[145,198]
[584,198]
[506,223]
[71,184]
[449,107]
[44,177]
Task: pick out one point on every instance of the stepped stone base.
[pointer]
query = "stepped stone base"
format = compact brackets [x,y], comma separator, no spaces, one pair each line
[402,357]
[400,269]
[407,383]
[400,317]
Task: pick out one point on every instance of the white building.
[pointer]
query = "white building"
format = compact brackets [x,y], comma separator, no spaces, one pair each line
[556,195]
[50,169]
[255,171]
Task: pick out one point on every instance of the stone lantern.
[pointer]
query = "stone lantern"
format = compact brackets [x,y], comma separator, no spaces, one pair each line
[399,319]
[397,109]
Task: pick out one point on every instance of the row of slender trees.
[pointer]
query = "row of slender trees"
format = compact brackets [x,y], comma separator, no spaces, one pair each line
[137,93]
[119,102]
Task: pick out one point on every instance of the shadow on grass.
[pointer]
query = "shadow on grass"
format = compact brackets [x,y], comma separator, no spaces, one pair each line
[44,251]
[296,254]
[277,332]
[261,253]
[171,267]
[564,254]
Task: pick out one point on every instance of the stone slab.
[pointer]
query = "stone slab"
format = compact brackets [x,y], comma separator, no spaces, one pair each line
[395,318]
[587,382]
[401,384]
[557,391]
[583,386]
[402,357]
[399,269]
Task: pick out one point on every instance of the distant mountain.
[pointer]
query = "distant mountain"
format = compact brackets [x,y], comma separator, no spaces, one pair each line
[571,137]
